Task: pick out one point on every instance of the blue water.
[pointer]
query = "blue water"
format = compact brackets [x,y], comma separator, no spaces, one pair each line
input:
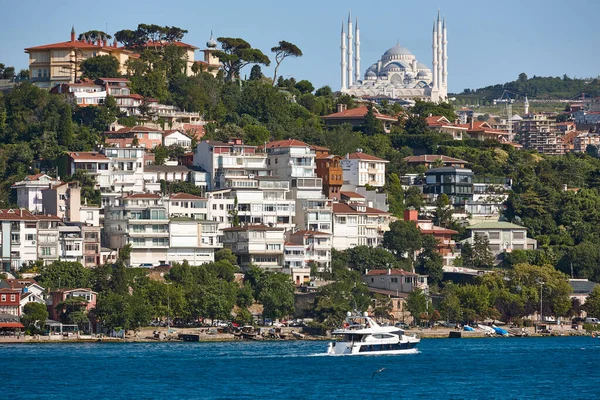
[501,368]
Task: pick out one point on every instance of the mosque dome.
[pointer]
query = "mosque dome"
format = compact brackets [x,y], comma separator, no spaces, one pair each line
[420,65]
[212,43]
[398,50]
[422,74]
[370,74]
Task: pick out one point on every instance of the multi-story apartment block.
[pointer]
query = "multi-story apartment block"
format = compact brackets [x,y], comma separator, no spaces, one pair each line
[361,169]
[503,237]
[29,191]
[267,204]
[395,281]
[18,239]
[48,243]
[162,230]
[540,132]
[317,246]
[230,165]
[455,182]
[258,245]
[290,159]
[70,240]
[147,138]
[10,302]
[356,224]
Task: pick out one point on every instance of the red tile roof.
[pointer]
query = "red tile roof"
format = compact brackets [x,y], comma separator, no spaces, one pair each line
[11,325]
[134,129]
[352,195]
[185,196]
[142,196]
[358,113]
[65,45]
[88,156]
[16,215]
[364,156]
[20,283]
[286,143]
[34,177]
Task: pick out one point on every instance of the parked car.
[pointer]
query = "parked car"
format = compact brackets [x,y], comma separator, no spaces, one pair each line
[146,265]
[164,265]
[401,325]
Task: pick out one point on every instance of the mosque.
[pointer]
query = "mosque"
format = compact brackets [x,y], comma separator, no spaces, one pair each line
[397,75]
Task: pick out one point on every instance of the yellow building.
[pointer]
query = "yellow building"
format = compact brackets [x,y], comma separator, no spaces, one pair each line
[53,64]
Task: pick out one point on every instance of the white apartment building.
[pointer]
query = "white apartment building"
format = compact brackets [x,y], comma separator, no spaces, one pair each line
[258,245]
[356,224]
[295,263]
[48,245]
[70,238]
[29,191]
[503,237]
[230,165]
[291,159]
[360,169]
[317,248]
[268,204]
[192,240]
[18,239]
[177,138]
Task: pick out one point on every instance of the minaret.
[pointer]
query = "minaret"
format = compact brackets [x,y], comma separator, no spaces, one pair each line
[350,51]
[439,48]
[434,82]
[526,106]
[445,58]
[72,33]
[357,55]
[343,63]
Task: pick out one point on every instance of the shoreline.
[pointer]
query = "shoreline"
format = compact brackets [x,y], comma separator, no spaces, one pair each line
[226,337]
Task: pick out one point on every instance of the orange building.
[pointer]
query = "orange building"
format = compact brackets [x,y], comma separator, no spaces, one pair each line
[330,171]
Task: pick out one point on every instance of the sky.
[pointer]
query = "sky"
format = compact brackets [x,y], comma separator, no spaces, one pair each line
[488,42]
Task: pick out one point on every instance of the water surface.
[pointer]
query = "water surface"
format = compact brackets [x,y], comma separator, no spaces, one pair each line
[502,368]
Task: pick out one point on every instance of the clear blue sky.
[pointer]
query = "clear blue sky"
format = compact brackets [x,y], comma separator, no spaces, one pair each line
[489,42]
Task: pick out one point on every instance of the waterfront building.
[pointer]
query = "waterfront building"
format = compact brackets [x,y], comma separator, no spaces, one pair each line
[259,245]
[446,246]
[356,224]
[503,237]
[10,302]
[395,280]
[317,248]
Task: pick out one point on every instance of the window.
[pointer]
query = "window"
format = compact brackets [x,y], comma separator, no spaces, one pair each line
[13,297]
[46,251]
[3,297]
[494,235]
[30,225]
[518,235]
[89,215]
[394,280]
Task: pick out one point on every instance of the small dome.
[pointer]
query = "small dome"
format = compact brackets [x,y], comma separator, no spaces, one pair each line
[212,43]
[420,65]
[370,74]
[398,51]
[422,74]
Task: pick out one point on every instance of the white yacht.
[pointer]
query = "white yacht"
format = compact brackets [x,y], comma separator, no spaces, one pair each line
[361,335]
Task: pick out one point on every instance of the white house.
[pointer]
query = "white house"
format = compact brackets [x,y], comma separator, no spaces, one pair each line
[258,245]
[503,237]
[29,191]
[361,169]
[356,224]
[176,138]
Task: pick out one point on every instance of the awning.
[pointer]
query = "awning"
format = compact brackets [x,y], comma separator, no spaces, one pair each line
[11,325]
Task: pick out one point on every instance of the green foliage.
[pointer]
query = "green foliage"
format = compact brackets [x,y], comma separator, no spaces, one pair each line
[403,239]
[592,303]
[105,66]
[416,304]
[430,261]
[361,258]
[276,293]
[34,316]
[236,53]
[334,300]
[283,51]
[64,274]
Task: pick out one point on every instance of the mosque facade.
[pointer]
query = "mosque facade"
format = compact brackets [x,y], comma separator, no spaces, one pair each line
[397,75]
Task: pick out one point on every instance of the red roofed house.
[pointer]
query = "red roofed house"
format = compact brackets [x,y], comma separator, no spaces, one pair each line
[479,130]
[356,117]
[10,302]
[356,224]
[443,125]
[361,169]
[57,63]
[435,160]
[446,245]
[29,191]
[395,280]
[87,296]
[147,138]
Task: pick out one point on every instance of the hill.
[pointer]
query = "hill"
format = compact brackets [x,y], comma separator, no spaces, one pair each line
[537,88]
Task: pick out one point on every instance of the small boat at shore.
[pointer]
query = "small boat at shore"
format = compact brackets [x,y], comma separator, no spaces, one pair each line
[361,335]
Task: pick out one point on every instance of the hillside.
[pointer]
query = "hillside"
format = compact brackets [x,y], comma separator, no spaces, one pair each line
[536,88]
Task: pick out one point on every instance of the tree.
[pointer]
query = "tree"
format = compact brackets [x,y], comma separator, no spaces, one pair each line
[482,255]
[276,295]
[283,51]
[395,194]
[6,72]
[592,304]
[236,53]
[403,238]
[256,73]
[371,125]
[366,257]
[522,77]
[105,66]
[227,255]
[34,316]
[430,262]
[443,211]
[64,274]
[94,35]
[416,304]
[304,86]
[72,310]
